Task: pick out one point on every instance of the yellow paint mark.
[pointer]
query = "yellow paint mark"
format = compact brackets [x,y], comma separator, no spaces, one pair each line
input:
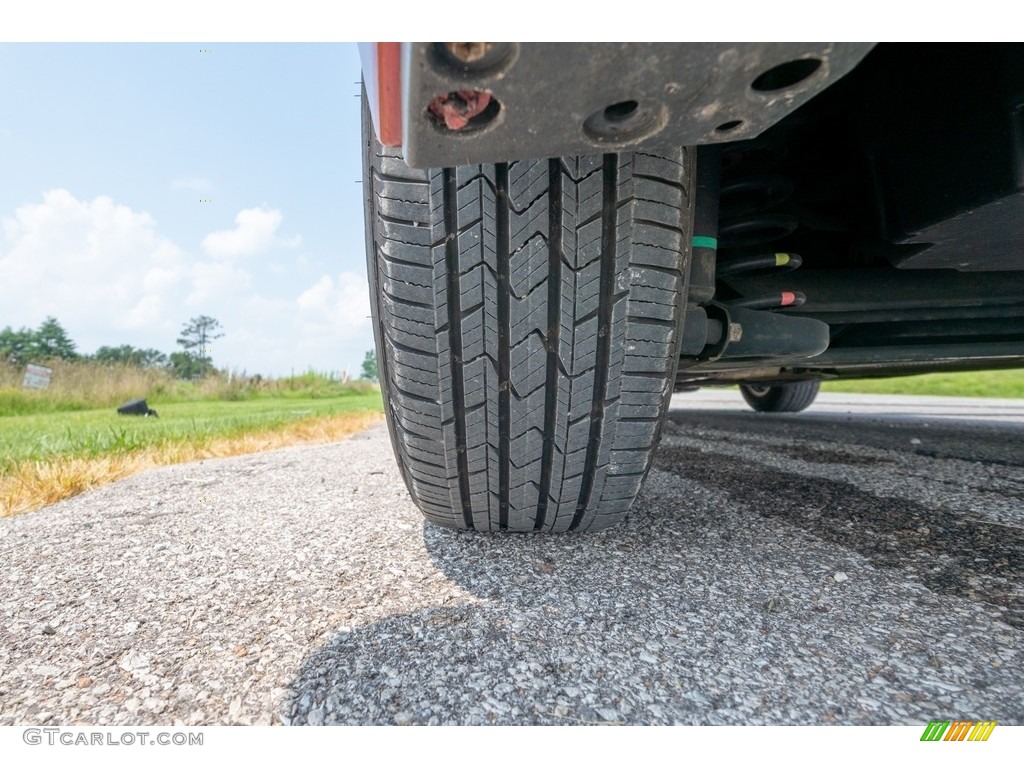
[982,730]
[781,259]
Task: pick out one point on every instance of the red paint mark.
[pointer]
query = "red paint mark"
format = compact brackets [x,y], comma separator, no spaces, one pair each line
[389,94]
[788,297]
[457,108]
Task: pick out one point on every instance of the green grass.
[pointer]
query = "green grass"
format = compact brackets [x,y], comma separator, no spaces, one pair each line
[69,438]
[1008,384]
[96,432]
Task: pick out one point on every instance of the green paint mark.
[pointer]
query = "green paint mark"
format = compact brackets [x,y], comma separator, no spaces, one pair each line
[934,730]
[705,242]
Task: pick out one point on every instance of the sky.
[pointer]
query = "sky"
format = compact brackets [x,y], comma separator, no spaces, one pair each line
[142,184]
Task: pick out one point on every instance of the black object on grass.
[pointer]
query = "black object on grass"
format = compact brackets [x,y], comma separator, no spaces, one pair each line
[136,408]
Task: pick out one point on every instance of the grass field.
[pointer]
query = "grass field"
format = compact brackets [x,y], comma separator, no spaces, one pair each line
[1008,384]
[87,434]
[67,439]
[53,456]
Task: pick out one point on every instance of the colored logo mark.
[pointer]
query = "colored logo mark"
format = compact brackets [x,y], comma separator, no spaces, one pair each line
[958,730]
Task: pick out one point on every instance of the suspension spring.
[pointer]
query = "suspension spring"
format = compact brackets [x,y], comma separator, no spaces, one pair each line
[752,217]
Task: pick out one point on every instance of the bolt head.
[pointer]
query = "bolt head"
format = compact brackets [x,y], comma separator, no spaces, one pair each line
[467,53]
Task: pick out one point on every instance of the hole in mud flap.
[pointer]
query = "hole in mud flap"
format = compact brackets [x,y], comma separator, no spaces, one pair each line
[728,126]
[786,75]
[465,112]
[624,122]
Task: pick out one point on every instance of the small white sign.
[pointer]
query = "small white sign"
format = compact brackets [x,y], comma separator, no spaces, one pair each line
[37,377]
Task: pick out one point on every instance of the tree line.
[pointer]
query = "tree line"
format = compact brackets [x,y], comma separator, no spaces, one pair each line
[51,341]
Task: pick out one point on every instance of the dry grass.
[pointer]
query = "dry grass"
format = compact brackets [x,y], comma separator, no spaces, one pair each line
[34,484]
[78,385]
[82,385]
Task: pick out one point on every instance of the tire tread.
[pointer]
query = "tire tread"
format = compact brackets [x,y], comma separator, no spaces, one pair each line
[528,319]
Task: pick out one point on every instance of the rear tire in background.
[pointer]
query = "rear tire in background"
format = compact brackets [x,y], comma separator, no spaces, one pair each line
[527,318]
[780,398]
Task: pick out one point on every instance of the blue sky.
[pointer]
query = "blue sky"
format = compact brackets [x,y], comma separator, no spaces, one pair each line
[106,152]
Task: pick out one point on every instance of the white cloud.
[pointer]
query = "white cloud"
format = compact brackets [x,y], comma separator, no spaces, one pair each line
[339,307]
[145,313]
[317,298]
[85,262]
[216,282]
[110,277]
[332,322]
[255,232]
[160,279]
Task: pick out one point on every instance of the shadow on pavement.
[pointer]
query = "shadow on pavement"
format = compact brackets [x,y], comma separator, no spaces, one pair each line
[710,604]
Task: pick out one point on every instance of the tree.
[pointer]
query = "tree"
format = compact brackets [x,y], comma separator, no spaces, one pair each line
[16,346]
[126,354]
[195,339]
[185,366]
[370,366]
[51,340]
[25,345]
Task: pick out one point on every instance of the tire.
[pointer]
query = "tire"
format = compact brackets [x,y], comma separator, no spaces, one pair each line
[780,398]
[527,319]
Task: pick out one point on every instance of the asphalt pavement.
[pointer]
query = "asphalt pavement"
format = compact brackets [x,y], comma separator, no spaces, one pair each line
[859,563]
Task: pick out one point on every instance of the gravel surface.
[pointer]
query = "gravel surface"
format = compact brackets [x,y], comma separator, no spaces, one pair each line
[800,569]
